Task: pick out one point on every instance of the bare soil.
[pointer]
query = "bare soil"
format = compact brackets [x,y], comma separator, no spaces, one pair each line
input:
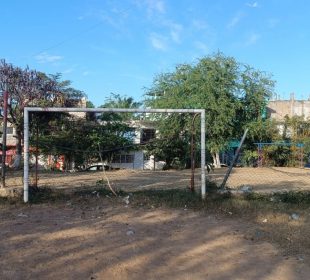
[104,238]
[265,179]
[259,179]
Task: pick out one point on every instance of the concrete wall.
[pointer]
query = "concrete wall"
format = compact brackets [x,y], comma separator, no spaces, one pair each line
[139,162]
[136,164]
[278,109]
[10,139]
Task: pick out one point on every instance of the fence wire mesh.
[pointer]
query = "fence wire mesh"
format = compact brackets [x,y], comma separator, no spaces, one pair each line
[268,167]
[123,179]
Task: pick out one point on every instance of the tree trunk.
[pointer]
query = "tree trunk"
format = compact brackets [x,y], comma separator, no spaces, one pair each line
[216,160]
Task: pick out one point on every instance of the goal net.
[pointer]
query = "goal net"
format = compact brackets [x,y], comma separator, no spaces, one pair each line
[72,143]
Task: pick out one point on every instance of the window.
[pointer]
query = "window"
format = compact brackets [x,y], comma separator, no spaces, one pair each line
[146,157]
[130,158]
[147,135]
[123,159]
[116,159]
[9,130]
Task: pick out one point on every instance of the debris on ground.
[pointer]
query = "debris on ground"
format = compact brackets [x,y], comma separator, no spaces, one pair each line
[22,215]
[130,232]
[294,216]
[246,189]
[126,199]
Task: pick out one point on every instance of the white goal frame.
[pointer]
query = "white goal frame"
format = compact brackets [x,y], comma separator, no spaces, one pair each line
[27,110]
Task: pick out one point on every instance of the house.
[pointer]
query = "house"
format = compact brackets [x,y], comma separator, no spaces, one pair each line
[11,140]
[138,159]
[10,144]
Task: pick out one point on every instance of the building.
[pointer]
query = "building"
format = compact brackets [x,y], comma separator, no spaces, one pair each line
[278,109]
[11,140]
[10,144]
[138,159]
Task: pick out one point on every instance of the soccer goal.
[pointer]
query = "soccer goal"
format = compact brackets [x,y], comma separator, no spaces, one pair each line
[28,110]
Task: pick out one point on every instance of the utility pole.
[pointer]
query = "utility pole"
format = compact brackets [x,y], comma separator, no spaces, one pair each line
[5,117]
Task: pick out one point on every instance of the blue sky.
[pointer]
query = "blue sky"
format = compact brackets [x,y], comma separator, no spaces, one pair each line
[120,46]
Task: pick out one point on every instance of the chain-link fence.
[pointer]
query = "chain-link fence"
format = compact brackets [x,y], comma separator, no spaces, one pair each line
[266,167]
[123,179]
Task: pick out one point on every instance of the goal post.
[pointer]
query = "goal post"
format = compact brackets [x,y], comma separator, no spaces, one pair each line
[27,110]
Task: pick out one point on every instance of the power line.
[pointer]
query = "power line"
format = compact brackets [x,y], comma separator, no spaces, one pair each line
[68,39]
[75,35]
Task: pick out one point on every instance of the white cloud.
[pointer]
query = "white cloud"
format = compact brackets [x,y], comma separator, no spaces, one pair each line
[47,58]
[67,71]
[201,46]
[158,41]
[252,5]
[235,20]
[155,6]
[199,24]
[175,31]
[252,39]
[85,73]
[272,22]
[103,49]
[109,19]
[115,17]
[151,7]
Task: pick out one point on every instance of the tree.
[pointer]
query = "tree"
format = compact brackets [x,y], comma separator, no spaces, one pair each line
[171,143]
[232,94]
[121,132]
[85,140]
[28,88]
[118,101]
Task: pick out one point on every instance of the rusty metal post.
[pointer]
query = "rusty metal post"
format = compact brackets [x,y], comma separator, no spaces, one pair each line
[4,130]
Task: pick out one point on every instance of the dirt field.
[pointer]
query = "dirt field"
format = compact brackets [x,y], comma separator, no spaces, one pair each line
[128,180]
[266,179]
[104,238]
[260,179]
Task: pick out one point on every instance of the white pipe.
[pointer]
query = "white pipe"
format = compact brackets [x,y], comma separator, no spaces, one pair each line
[116,110]
[203,154]
[26,155]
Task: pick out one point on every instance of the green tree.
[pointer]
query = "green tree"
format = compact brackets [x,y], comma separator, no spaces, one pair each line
[86,140]
[232,94]
[172,141]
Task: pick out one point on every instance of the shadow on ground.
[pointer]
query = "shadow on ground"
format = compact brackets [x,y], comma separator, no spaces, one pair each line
[102,238]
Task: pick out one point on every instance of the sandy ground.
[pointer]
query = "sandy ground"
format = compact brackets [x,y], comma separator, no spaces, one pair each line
[107,239]
[120,179]
[266,179]
[260,179]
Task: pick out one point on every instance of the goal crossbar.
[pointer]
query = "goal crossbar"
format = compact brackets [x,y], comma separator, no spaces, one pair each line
[27,110]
